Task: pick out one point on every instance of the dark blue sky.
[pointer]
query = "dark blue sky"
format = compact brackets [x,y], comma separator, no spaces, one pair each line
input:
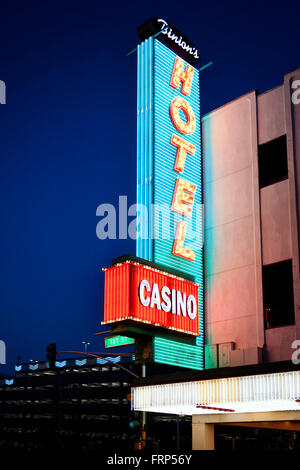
[68,141]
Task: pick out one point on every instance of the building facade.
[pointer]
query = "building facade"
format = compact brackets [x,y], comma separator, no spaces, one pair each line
[251,155]
[251,149]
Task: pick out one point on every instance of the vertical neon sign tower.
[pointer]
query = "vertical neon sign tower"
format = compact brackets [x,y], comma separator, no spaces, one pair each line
[169,178]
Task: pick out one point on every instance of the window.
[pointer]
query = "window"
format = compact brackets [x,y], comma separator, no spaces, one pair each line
[115,401]
[272,162]
[278,294]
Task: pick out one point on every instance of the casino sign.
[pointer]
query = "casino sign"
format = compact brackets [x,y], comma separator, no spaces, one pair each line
[140,293]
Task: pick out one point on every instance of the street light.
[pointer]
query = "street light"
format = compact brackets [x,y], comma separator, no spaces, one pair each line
[86,343]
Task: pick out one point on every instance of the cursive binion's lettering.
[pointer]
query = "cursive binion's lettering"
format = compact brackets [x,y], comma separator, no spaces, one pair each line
[177,39]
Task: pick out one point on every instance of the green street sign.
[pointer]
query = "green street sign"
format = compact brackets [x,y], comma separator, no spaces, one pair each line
[114,341]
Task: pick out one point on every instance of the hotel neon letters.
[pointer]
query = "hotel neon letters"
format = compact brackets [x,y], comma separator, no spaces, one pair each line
[184,192]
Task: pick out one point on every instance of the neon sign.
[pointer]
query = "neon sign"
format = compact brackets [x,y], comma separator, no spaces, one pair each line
[169,173]
[169,300]
[169,161]
[171,36]
[141,293]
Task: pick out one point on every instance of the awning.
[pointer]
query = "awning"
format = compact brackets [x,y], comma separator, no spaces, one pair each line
[252,393]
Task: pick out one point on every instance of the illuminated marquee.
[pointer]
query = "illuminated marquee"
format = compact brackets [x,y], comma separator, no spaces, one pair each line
[169,166]
[140,293]
[245,394]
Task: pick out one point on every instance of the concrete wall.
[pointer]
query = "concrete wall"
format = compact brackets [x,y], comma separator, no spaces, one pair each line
[293,148]
[271,115]
[234,307]
[275,223]
[279,213]
[246,227]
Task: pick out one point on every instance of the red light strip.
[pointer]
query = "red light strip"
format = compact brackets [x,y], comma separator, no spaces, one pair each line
[206,407]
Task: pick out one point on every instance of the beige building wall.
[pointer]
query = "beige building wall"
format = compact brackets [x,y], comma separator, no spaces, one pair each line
[246,227]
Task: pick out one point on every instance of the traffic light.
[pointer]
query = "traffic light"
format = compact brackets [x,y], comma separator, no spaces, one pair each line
[135,420]
[51,355]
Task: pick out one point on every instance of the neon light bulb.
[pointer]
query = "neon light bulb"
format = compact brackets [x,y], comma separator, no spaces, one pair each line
[178,247]
[183,197]
[176,105]
[184,76]
[183,147]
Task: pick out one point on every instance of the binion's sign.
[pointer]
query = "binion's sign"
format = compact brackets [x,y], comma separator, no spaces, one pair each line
[171,36]
[141,293]
[169,165]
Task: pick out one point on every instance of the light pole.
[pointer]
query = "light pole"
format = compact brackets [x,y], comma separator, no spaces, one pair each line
[178,430]
[86,343]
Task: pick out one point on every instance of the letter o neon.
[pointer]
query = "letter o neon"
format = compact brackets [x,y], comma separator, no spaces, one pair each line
[187,127]
[192,313]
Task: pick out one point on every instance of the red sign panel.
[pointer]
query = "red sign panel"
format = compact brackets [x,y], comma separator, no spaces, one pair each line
[141,293]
